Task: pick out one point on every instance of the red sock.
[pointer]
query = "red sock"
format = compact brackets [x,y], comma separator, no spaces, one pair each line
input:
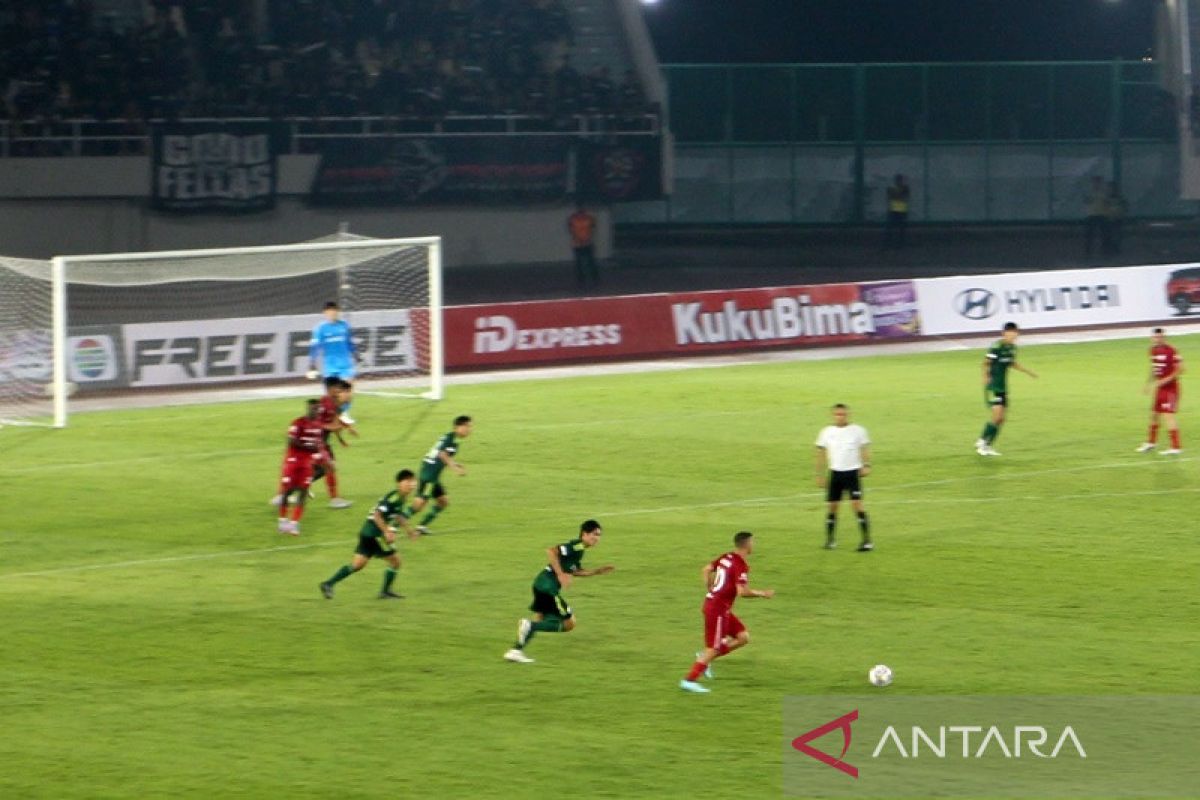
[1175,438]
[331,484]
[297,512]
[1153,434]
[723,650]
[696,671]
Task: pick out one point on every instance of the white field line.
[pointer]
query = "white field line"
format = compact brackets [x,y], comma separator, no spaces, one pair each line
[929,345]
[752,501]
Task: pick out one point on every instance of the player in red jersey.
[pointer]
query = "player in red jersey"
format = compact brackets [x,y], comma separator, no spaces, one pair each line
[337,393]
[726,579]
[304,452]
[1165,368]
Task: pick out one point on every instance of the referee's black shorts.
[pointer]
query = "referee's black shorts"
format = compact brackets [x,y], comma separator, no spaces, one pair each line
[840,483]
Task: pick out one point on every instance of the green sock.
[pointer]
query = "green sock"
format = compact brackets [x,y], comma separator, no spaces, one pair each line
[995,433]
[989,432]
[431,516]
[389,575]
[550,624]
[341,574]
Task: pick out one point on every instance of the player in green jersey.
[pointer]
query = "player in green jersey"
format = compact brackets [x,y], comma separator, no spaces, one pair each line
[1000,357]
[378,538]
[551,613]
[440,456]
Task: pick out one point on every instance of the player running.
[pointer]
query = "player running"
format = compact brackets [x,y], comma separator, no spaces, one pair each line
[378,538]
[725,579]
[337,392]
[304,452]
[1166,366]
[440,456]
[333,346]
[332,424]
[551,613]
[1000,356]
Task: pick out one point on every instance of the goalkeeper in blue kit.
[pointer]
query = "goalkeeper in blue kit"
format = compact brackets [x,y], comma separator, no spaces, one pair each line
[333,346]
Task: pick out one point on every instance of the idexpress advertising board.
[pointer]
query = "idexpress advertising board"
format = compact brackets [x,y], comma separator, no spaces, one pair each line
[1068,298]
[257,348]
[692,323]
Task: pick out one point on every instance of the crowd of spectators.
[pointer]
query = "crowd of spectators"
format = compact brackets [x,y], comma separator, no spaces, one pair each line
[64,59]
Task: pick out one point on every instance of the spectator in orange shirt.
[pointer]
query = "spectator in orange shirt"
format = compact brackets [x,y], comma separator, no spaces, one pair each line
[582,227]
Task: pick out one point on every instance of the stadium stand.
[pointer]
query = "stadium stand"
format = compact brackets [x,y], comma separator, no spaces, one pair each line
[119,63]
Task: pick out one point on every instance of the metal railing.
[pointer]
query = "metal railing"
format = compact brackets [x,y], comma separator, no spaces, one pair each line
[88,137]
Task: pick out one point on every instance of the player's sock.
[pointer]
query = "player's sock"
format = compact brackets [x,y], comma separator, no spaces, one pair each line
[995,434]
[990,431]
[389,577]
[343,572]
[830,525]
[431,516]
[1175,439]
[297,512]
[1152,437]
[696,671]
[550,624]
[331,483]
[864,525]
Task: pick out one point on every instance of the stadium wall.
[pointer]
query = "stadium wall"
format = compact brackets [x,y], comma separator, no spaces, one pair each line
[70,206]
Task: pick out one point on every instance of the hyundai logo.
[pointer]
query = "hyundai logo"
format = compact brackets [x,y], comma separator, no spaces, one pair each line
[975,303]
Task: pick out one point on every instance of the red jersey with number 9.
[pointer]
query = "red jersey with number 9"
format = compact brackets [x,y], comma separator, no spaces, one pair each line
[729,571]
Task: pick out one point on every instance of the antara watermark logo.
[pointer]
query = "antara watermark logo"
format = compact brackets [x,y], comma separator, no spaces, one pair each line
[945,742]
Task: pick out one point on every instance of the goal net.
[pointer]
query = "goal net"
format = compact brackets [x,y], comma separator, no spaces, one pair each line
[159,323]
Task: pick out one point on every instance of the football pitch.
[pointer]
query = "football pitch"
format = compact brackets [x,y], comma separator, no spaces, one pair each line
[162,640]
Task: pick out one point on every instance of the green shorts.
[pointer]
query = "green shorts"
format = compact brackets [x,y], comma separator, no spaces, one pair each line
[374,546]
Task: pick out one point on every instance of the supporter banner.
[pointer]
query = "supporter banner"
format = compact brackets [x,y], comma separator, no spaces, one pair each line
[627,169]
[983,303]
[478,169]
[217,166]
[256,348]
[675,324]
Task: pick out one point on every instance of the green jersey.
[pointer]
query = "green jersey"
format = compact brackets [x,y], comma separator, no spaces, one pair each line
[1000,357]
[390,508]
[432,465]
[570,555]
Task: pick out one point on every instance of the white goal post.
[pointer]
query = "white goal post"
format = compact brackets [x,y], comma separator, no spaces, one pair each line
[189,320]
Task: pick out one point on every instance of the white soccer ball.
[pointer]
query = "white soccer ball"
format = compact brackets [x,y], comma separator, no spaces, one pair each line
[880,675]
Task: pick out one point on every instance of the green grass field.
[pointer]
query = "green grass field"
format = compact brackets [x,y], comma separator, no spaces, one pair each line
[160,639]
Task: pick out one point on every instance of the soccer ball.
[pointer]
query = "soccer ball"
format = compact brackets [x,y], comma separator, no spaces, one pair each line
[880,675]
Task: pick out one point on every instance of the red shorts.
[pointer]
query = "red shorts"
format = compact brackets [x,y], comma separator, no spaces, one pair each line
[1166,399]
[298,470]
[718,624]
